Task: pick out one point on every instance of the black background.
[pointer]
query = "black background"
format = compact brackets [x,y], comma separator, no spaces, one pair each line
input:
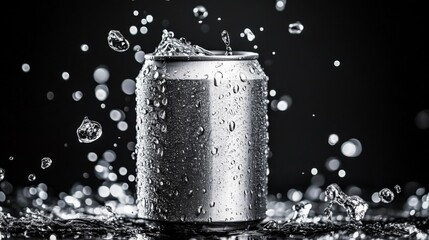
[374,95]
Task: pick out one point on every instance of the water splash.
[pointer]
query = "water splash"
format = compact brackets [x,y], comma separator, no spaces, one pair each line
[117,41]
[355,206]
[89,131]
[301,211]
[226,40]
[81,215]
[170,46]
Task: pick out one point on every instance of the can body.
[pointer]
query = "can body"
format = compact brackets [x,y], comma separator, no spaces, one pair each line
[202,139]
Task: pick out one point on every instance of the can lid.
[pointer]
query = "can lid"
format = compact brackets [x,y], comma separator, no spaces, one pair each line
[218,56]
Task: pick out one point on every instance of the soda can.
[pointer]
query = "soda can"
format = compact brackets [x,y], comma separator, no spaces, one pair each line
[202,139]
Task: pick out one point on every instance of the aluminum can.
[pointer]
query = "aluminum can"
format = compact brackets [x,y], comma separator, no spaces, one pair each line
[202,138]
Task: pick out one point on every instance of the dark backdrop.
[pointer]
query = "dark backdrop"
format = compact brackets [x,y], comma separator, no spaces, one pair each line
[374,95]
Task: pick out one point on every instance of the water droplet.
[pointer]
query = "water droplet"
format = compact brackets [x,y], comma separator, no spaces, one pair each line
[2,173]
[89,131]
[199,210]
[351,148]
[161,114]
[337,63]
[333,139]
[84,47]
[397,188]
[200,131]
[218,76]
[164,128]
[227,41]
[117,41]
[249,34]
[386,195]
[243,77]
[46,162]
[31,177]
[231,126]
[200,12]
[212,204]
[164,101]
[235,89]
[156,75]
[296,28]
[280,5]
[25,67]
[214,150]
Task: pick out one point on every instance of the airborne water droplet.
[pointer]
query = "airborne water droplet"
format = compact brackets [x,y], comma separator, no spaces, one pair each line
[212,204]
[46,162]
[117,41]
[31,177]
[214,150]
[397,188]
[1,174]
[386,195]
[200,12]
[249,34]
[296,28]
[88,131]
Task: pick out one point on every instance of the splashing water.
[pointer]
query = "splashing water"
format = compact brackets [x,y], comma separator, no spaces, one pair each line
[46,162]
[355,206]
[89,131]
[86,217]
[110,211]
[117,41]
[170,46]
[226,40]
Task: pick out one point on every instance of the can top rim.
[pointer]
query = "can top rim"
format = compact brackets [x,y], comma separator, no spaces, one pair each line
[218,55]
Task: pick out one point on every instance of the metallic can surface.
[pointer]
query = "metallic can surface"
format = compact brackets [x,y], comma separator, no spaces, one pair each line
[202,139]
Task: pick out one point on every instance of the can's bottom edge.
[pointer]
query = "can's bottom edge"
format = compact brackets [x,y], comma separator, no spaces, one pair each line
[201,227]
